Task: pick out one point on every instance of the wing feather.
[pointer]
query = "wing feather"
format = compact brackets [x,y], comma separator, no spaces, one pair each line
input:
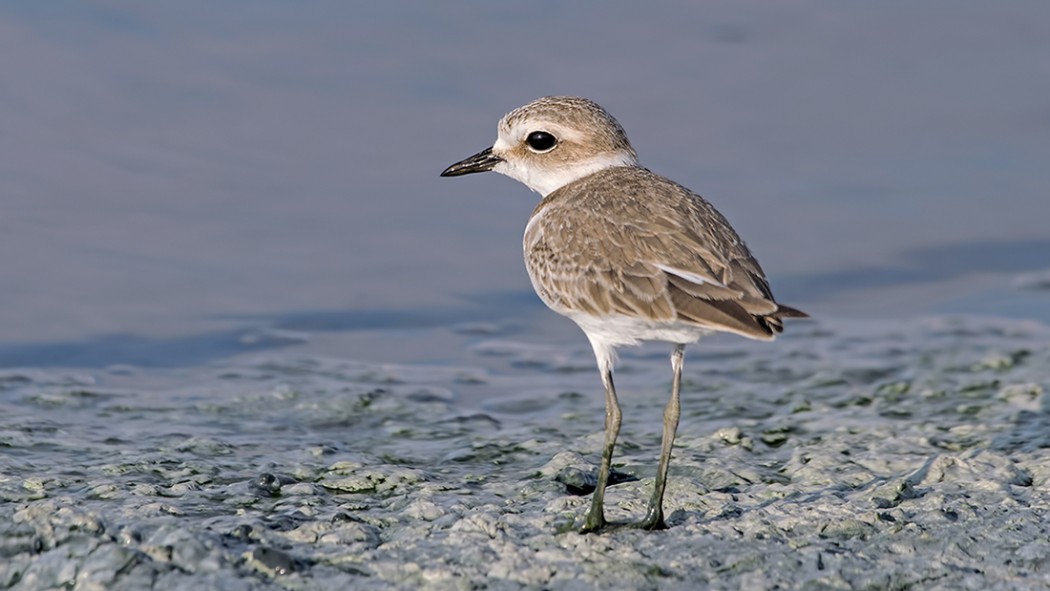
[672,258]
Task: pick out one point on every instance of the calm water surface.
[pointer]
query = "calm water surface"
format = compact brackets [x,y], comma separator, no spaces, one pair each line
[187,181]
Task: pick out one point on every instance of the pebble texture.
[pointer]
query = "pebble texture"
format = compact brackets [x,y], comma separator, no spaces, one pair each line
[842,457]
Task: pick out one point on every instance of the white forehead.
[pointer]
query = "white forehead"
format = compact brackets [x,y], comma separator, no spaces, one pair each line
[513,132]
[597,142]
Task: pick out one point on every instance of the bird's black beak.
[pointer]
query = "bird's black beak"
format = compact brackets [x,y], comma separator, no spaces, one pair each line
[481,162]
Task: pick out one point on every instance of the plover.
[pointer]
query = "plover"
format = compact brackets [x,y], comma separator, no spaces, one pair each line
[628,255]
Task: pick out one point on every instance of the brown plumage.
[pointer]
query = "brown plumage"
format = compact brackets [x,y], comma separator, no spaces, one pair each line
[604,244]
[626,254]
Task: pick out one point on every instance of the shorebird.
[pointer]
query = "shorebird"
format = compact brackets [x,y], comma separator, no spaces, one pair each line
[628,255]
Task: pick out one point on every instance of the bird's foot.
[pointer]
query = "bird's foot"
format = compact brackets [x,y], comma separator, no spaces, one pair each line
[594,523]
[654,520]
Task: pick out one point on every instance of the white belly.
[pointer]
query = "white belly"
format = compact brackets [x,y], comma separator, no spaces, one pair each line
[619,330]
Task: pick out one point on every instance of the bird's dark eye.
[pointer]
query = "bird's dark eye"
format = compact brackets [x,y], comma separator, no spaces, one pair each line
[541,141]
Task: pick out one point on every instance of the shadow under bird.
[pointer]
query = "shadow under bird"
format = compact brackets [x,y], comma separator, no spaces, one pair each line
[628,255]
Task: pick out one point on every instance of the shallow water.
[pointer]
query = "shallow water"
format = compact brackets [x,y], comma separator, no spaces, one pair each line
[250,340]
[175,176]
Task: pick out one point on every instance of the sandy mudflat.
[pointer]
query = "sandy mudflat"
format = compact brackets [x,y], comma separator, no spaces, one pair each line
[886,456]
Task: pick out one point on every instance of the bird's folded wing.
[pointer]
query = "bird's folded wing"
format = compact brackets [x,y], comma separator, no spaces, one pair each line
[649,272]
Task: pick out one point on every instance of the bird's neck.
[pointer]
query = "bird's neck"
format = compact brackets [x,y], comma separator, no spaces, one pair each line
[547,181]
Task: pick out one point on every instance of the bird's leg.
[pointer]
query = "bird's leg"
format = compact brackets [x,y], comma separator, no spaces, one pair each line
[596,517]
[654,516]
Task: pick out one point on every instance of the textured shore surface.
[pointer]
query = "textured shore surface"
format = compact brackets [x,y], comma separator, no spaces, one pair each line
[841,458]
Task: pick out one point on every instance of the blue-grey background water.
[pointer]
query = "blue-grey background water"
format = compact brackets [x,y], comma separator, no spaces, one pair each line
[229,266]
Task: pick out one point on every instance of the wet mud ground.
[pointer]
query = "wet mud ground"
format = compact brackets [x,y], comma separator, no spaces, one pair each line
[874,456]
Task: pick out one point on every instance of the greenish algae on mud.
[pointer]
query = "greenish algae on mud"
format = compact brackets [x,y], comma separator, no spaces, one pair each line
[843,457]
